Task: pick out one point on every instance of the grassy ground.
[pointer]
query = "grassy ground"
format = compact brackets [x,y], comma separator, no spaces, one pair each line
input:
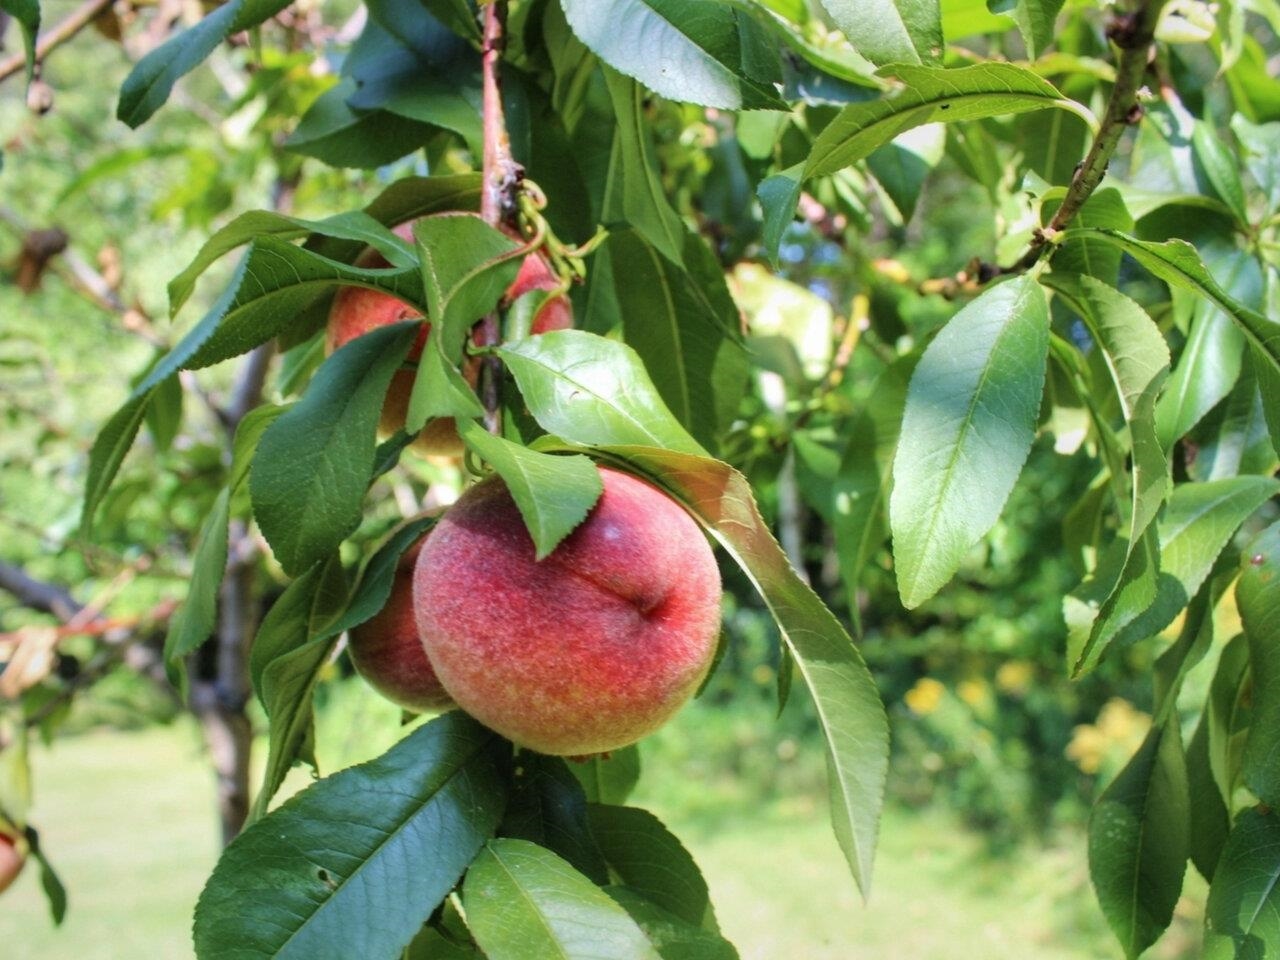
[128,819]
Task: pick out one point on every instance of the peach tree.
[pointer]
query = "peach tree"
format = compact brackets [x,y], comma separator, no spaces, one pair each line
[1119,305]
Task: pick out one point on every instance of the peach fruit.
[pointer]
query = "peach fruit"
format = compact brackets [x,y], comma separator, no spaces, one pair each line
[587,650]
[358,310]
[386,651]
[12,859]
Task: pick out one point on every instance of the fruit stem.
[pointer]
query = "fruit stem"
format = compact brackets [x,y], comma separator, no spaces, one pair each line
[498,205]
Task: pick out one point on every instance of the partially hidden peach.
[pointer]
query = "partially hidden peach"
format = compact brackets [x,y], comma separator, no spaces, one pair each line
[12,860]
[358,310]
[587,650]
[386,651]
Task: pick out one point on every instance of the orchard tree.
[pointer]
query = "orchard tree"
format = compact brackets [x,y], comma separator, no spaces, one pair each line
[542,292]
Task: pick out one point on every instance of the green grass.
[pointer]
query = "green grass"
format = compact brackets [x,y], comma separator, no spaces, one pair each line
[128,819]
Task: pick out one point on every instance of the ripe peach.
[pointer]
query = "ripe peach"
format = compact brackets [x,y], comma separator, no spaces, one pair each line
[12,860]
[358,310]
[587,650]
[386,651]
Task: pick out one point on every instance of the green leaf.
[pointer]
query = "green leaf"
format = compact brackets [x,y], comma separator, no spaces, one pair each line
[439,390]
[1177,263]
[525,903]
[356,226]
[890,31]
[1122,587]
[333,132]
[673,937]
[312,465]
[651,861]
[694,51]
[1137,358]
[590,390]
[854,728]
[1105,208]
[779,195]
[1222,168]
[609,779]
[55,893]
[466,266]
[27,13]
[554,493]
[930,95]
[1196,525]
[109,449]
[354,865]
[1228,716]
[683,326]
[1242,917]
[196,619]
[1258,596]
[548,807]
[634,191]
[969,422]
[149,83]
[1139,840]
[1210,823]
[248,434]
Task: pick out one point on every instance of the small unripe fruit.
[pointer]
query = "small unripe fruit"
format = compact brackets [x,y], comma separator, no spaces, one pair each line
[358,310]
[12,860]
[587,650]
[387,652]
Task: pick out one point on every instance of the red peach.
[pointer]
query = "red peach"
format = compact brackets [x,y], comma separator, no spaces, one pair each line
[587,650]
[12,860]
[357,310]
[386,651]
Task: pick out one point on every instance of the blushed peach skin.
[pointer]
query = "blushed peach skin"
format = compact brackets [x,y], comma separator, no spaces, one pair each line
[12,860]
[586,651]
[386,651]
[358,310]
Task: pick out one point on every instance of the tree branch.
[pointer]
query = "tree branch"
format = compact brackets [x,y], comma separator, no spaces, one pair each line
[38,595]
[76,21]
[502,176]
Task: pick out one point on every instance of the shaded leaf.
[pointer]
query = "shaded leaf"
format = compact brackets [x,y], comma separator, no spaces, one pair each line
[1258,597]
[673,937]
[548,807]
[609,779]
[890,31]
[1242,917]
[314,879]
[196,619]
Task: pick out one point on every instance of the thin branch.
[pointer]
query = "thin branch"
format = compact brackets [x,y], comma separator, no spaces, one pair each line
[502,176]
[1133,33]
[45,597]
[76,21]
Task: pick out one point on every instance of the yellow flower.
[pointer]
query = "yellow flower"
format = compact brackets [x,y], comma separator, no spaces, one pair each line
[925,696]
[972,692]
[1014,677]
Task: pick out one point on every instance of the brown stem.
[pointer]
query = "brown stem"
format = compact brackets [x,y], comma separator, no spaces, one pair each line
[76,21]
[502,176]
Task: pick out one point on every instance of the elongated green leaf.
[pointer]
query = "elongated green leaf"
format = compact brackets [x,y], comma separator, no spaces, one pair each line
[1229,715]
[650,860]
[695,51]
[466,265]
[1138,360]
[1198,521]
[55,893]
[1258,596]
[1124,586]
[779,195]
[195,620]
[554,493]
[683,326]
[634,191]
[1138,840]
[854,727]
[27,13]
[1177,263]
[353,865]
[1242,917]
[590,390]
[1210,823]
[609,779]
[1221,167]
[1035,19]
[967,429]
[891,31]
[354,226]
[548,807]
[929,95]
[439,390]
[109,449]
[525,903]
[148,85]
[673,937]
[313,463]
